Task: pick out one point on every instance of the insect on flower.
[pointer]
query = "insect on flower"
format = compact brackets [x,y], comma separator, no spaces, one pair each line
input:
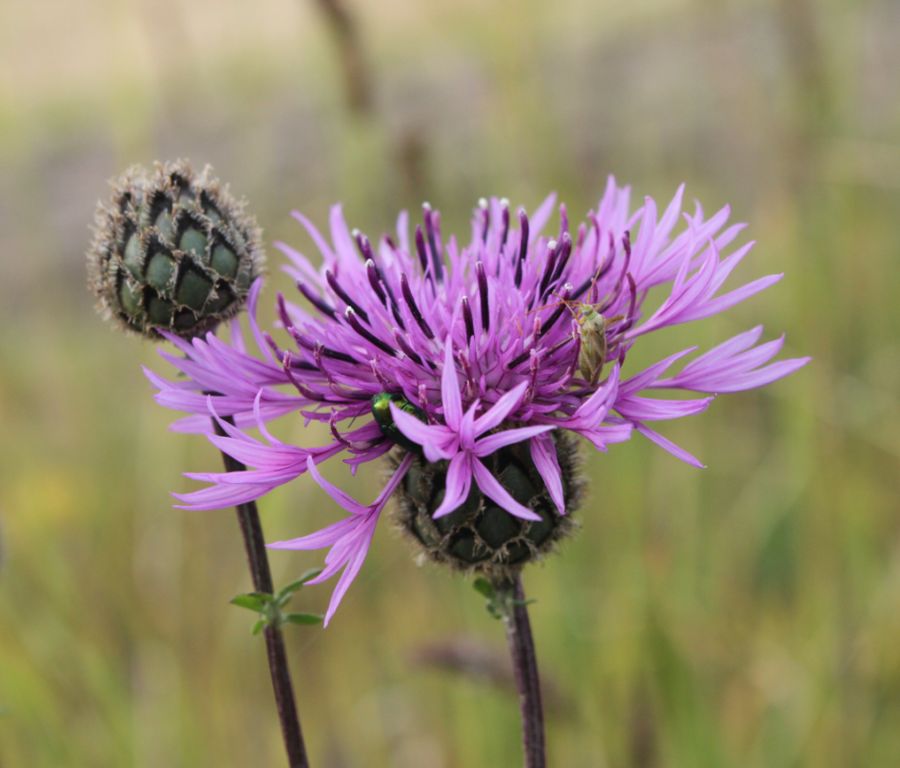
[592,334]
[381,410]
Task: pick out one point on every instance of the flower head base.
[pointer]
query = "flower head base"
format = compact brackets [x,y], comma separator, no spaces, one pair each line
[488,353]
[479,535]
[173,252]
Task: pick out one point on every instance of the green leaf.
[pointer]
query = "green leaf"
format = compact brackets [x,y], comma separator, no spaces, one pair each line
[303,618]
[252,601]
[289,589]
[484,587]
[258,627]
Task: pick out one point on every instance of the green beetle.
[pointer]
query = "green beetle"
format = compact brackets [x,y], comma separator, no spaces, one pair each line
[381,410]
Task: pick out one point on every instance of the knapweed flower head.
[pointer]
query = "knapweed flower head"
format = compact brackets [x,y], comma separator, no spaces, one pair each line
[172,251]
[475,364]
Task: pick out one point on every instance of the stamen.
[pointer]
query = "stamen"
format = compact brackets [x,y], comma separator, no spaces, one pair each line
[521,358]
[563,305]
[504,222]
[485,219]
[374,281]
[576,336]
[553,251]
[420,250]
[413,307]
[382,380]
[632,303]
[406,348]
[272,345]
[323,306]
[332,425]
[565,252]
[563,220]
[344,296]
[483,293]
[282,310]
[366,334]
[288,363]
[626,244]
[364,246]
[430,217]
[467,316]
[556,347]
[319,349]
[523,245]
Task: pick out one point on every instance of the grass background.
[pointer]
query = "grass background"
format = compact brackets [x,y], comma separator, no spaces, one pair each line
[747,615]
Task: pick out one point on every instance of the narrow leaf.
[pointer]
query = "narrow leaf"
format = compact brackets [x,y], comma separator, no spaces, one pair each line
[251,601]
[303,618]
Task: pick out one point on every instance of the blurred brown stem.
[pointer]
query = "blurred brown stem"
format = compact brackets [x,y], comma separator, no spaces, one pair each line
[356,79]
[255,546]
[524,660]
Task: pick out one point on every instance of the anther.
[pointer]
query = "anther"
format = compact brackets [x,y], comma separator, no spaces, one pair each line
[432,241]
[366,334]
[565,251]
[344,296]
[467,317]
[420,249]
[413,307]
[485,218]
[483,293]
[406,348]
[504,222]
[282,310]
[549,268]
[375,281]
[363,244]
[323,306]
[563,305]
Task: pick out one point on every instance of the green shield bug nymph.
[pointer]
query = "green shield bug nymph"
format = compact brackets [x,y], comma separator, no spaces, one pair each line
[381,410]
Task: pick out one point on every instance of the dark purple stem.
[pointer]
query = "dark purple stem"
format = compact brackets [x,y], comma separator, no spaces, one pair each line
[255,546]
[524,660]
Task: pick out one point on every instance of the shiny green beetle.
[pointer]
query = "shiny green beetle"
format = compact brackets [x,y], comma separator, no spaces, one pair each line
[381,410]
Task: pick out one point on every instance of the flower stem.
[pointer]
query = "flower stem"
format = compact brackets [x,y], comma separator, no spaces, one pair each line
[524,660]
[255,546]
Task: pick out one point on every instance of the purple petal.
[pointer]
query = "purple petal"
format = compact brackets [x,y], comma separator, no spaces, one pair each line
[342,498]
[450,389]
[436,440]
[491,488]
[457,485]
[494,416]
[669,446]
[487,445]
[350,572]
[318,540]
[543,454]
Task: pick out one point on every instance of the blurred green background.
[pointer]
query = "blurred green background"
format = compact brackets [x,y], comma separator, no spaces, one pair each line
[747,615]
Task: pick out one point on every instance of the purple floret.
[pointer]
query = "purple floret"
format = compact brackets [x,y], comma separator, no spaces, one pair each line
[484,339]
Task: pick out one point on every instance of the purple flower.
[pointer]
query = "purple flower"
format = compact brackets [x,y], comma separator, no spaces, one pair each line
[484,345]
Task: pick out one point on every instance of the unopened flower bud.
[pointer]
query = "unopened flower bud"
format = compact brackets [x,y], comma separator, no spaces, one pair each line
[172,251]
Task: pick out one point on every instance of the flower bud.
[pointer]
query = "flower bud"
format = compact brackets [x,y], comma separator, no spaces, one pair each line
[172,251]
